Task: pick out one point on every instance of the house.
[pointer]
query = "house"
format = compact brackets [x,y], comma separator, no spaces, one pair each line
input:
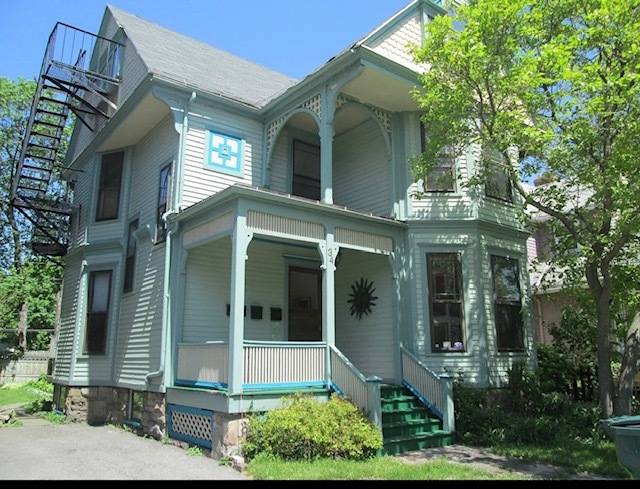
[235,235]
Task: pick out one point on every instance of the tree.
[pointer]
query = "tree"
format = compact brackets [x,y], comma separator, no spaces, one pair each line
[28,283]
[552,87]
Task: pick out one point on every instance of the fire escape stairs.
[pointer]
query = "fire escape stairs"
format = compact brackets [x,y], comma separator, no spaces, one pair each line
[70,84]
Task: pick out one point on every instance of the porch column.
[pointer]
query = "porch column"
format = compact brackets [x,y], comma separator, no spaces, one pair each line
[326,145]
[240,242]
[328,251]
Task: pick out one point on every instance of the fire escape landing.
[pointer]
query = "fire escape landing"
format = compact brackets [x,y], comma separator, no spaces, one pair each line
[78,80]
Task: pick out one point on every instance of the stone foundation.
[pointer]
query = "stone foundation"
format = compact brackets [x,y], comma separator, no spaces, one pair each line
[110,405]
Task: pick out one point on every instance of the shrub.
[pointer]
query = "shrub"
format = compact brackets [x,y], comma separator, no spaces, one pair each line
[305,429]
[532,409]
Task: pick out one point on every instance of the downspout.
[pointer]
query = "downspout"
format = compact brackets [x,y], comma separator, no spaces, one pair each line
[165,302]
[166,294]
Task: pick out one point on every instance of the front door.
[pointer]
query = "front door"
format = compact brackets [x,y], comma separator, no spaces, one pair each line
[305,304]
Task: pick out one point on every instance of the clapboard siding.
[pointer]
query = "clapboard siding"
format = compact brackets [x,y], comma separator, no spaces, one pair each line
[140,323]
[200,182]
[69,318]
[475,249]
[280,164]
[437,240]
[361,172]
[366,341]
[207,290]
[148,157]
[96,369]
[207,283]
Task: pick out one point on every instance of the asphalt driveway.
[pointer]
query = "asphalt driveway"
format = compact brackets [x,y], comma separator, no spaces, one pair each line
[40,450]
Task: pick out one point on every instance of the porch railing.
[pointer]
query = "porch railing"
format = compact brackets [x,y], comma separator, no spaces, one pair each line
[266,364]
[287,364]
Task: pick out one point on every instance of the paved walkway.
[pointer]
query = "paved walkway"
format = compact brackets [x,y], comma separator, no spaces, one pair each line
[40,450]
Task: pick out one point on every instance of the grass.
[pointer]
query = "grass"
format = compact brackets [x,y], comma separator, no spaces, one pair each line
[16,393]
[34,396]
[575,457]
[381,468]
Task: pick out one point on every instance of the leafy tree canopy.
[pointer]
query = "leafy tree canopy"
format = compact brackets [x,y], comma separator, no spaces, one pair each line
[553,87]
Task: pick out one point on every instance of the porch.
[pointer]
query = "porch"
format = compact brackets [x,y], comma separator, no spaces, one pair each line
[271,370]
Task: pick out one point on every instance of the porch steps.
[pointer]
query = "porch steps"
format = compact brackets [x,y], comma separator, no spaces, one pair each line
[407,424]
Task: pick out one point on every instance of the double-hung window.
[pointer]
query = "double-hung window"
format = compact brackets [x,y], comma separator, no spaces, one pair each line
[441,176]
[109,186]
[164,195]
[498,183]
[446,312]
[97,322]
[507,303]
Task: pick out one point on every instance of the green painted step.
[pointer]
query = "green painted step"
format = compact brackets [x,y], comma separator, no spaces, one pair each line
[407,424]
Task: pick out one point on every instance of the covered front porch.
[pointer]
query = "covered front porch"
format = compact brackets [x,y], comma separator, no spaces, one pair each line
[272,370]
[274,294]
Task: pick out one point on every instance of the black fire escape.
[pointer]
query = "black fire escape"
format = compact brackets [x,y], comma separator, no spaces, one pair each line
[79,76]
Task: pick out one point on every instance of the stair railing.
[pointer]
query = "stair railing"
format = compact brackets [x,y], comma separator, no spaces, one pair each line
[435,391]
[349,383]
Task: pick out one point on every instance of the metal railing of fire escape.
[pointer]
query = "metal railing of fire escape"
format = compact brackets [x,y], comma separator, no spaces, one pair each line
[79,76]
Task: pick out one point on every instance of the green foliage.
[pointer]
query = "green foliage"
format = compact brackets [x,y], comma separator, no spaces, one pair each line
[552,88]
[532,409]
[55,417]
[195,451]
[307,429]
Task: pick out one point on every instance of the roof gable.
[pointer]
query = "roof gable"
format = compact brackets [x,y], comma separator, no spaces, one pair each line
[197,65]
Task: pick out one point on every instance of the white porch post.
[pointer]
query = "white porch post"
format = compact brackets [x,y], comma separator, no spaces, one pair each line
[329,251]
[240,242]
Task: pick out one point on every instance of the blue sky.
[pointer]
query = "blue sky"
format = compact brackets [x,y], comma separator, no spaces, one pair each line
[293,37]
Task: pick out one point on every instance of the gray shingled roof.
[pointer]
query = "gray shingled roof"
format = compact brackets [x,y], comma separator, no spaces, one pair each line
[197,65]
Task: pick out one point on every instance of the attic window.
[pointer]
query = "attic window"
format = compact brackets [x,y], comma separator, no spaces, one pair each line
[223,153]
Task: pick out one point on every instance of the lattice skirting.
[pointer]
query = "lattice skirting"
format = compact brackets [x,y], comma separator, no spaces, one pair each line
[191,425]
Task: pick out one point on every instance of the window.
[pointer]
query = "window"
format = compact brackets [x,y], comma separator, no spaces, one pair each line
[306,170]
[445,302]
[441,177]
[498,184]
[109,189]
[507,303]
[164,195]
[95,341]
[130,262]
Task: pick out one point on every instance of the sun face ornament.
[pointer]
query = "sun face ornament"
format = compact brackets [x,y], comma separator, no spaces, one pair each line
[362,298]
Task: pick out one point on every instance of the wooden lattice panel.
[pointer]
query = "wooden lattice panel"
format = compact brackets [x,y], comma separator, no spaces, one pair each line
[190,425]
